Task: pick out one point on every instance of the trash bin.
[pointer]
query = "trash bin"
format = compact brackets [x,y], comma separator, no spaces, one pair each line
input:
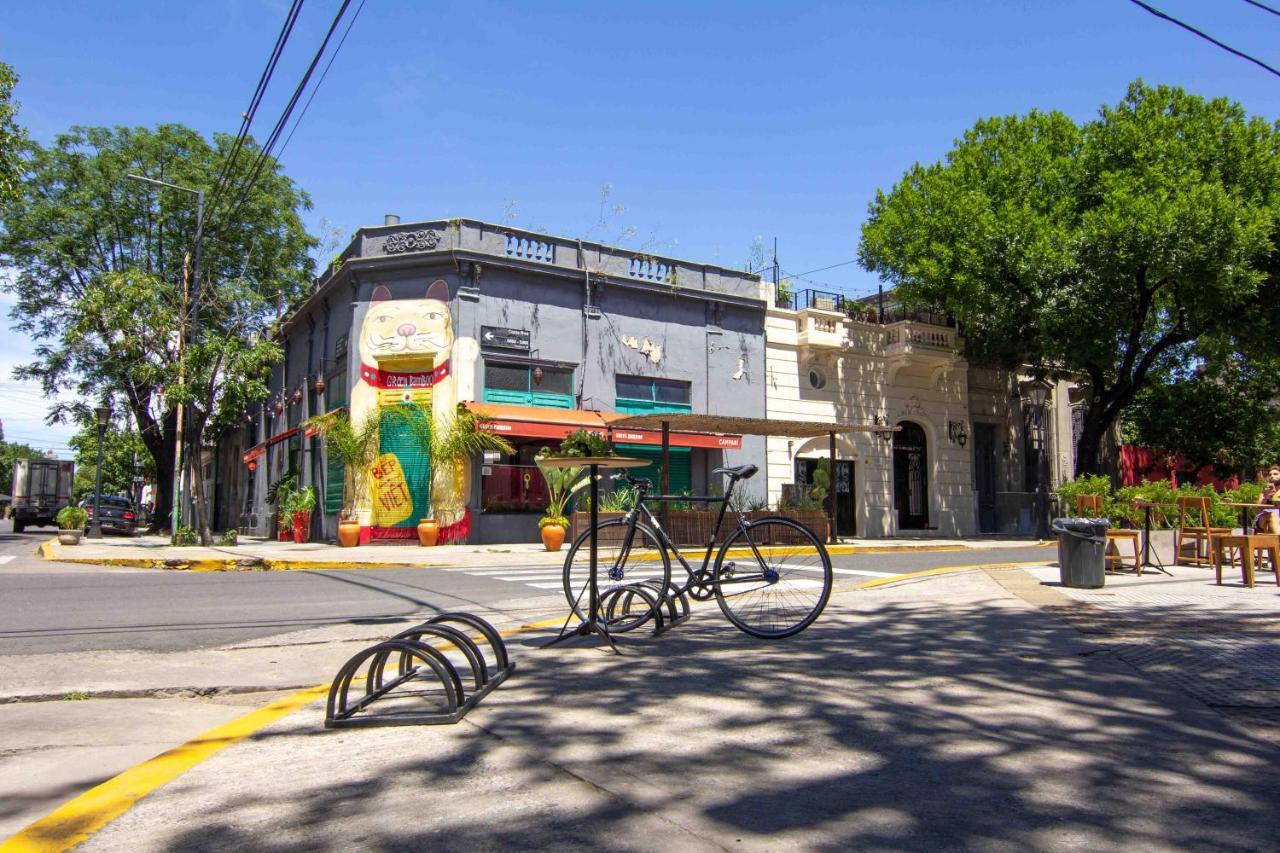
[1082,547]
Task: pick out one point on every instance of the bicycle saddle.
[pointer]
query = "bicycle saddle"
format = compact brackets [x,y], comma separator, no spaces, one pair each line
[742,472]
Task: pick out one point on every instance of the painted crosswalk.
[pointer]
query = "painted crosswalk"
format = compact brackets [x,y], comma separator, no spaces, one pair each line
[552,577]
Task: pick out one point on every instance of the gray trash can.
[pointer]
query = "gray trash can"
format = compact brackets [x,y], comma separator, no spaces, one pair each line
[1082,548]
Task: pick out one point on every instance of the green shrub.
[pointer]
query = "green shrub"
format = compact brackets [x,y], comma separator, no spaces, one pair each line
[229,537]
[582,442]
[72,518]
[185,536]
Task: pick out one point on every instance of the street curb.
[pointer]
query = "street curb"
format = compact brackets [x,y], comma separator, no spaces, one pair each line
[272,564]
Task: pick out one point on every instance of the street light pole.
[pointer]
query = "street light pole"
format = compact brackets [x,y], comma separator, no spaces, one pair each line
[175,515]
[101,415]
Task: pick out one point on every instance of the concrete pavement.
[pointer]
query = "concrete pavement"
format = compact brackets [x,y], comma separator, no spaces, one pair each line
[976,709]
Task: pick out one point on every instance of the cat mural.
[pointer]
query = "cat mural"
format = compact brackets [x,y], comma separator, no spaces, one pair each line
[408,354]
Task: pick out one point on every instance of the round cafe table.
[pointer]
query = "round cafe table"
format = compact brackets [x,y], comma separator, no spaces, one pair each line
[594,623]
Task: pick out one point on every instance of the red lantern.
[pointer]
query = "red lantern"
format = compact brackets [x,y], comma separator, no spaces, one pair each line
[318,386]
[537,376]
[278,408]
[253,466]
[297,396]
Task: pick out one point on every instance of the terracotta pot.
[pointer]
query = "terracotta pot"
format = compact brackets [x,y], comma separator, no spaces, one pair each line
[301,527]
[428,532]
[552,537]
[349,533]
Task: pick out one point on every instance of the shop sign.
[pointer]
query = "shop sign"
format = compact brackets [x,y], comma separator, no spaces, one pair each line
[497,336]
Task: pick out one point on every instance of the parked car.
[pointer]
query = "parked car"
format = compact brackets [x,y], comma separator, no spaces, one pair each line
[118,515]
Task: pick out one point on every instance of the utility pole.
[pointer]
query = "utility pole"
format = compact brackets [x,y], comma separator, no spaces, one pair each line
[175,511]
[190,295]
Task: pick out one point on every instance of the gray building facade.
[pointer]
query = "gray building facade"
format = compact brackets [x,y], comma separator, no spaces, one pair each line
[534,332]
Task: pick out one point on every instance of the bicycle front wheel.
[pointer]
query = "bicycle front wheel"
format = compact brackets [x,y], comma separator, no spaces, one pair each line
[773,579]
[619,564]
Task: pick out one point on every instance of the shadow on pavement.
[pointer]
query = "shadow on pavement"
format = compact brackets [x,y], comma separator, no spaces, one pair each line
[888,725]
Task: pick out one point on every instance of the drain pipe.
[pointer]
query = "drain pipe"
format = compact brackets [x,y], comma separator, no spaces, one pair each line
[586,303]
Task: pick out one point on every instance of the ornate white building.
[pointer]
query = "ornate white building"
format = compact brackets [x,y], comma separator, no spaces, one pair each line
[964,459]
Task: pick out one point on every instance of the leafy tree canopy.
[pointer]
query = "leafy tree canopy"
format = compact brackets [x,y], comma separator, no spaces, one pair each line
[100,262]
[11,136]
[9,451]
[1095,250]
[124,456]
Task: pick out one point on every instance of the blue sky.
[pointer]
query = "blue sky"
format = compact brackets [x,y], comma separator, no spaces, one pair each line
[711,123]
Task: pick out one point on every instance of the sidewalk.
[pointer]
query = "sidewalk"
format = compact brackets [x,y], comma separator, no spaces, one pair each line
[978,709]
[155,552]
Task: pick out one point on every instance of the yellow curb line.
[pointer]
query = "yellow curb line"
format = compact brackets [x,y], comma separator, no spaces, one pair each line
[941,570]
[76,820]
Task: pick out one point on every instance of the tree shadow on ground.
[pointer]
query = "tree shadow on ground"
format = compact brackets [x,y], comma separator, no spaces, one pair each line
[888,725]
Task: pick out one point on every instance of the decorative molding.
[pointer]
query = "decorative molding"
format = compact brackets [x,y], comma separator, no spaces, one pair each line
[411,241]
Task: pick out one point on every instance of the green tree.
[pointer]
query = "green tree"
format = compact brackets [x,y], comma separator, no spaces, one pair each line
[9,451]
[124,456]
[11,136]
[100,263]
[1094,250]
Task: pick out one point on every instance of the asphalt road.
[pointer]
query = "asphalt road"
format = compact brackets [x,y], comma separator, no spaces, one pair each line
[49,607]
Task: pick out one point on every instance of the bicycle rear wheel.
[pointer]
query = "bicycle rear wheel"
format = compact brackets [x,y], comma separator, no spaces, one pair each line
[779,593]
[618,566]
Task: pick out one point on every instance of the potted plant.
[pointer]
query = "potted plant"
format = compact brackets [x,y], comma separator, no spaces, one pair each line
[71,521]
[357,445]
[277,493]
[298,506]
[449,441]
[561,485]
[584,442]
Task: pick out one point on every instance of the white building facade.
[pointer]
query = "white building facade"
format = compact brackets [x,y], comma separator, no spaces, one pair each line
[963,460]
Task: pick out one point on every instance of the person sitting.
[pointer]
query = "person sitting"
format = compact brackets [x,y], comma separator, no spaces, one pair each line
[1268,521]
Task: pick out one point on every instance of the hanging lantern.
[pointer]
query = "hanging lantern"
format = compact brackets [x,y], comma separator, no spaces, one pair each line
[318,386]
[297,396]
[278,408]
[537,376]
[253,466]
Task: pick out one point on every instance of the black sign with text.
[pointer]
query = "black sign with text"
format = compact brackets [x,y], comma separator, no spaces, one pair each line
[495,336]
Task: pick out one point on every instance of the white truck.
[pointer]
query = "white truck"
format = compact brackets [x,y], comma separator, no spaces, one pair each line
[41,487]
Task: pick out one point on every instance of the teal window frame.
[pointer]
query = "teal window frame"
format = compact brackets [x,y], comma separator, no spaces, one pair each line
[651,406]
[528,397]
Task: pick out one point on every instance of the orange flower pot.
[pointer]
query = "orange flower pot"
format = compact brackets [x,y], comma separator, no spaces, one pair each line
[552,537]
[348,533]
[428,532]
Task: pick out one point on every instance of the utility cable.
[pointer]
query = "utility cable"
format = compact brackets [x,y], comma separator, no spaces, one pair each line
[1264,7]
[255,101]
[1228,48]
[320,82]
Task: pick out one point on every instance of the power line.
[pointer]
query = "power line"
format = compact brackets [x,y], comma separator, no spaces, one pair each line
[320,82]
[824,269]
[255,101]
[265,153]
[1228,48]
[1264,7]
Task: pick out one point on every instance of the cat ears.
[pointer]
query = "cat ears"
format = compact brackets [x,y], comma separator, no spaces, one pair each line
[439,291]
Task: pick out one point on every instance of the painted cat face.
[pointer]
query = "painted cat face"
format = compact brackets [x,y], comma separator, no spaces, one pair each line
[408,328]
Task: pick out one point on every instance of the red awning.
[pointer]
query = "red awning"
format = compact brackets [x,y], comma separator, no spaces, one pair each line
[259,449]
[535,422]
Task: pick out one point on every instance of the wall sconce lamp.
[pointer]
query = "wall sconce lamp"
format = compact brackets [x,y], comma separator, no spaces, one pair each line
[958,432]
[885,435]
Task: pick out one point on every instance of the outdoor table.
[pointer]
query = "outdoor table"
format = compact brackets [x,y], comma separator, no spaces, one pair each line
[1146,507]
[594,623]
[1244,513]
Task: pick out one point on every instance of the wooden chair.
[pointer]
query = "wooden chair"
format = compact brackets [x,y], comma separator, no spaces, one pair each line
[1090,506]
[1250,549]
[1193,524]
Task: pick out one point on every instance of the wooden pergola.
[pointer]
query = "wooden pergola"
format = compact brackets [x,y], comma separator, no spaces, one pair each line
[730,425]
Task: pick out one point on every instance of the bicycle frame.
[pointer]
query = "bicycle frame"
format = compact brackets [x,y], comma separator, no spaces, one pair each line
[700,578]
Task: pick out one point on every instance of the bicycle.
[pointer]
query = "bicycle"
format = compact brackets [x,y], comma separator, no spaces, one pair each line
[771,576]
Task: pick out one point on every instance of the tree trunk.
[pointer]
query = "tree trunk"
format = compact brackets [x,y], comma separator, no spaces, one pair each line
[201,519]
[1089,450]
[158,437]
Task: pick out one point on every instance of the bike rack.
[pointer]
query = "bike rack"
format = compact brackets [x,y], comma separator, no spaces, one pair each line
[421,663]
[668,610]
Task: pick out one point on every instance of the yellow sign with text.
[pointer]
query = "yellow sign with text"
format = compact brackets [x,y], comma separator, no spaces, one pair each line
[392,502]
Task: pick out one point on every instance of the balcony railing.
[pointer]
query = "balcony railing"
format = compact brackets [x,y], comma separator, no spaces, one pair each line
[863,310]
